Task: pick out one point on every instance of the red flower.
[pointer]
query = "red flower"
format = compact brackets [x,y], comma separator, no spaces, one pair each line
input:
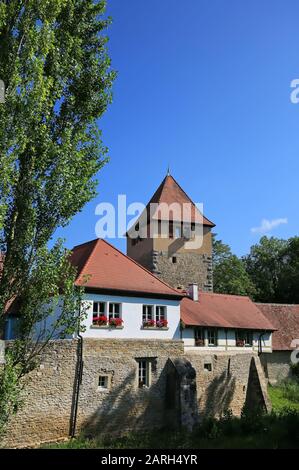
[115,321]
[149,323]
[101,320]
[162,323]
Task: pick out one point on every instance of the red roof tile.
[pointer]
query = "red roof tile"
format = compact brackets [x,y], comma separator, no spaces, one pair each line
[170,192]
[109,269]
[226,311]
[286,319]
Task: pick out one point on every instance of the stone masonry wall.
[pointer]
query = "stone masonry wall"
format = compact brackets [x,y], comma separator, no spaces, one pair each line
[224,381]
[171,399]
[277,366]
[48,395]
[189,268]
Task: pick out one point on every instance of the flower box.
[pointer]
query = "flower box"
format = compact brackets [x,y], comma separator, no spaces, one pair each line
[149,324]
[240,343]
[162,324]
[115,322]
[100,321]
[155,325]
[199,342]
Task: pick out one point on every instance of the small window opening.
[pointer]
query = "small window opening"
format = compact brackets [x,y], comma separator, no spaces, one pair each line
[103,381]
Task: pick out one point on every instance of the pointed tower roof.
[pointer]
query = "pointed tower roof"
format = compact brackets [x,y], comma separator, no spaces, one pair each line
[170,192]
[103,267]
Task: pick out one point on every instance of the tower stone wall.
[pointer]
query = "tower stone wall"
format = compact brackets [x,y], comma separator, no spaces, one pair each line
[182,269]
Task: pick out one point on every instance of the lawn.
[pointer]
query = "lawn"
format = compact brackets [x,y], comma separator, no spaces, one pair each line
[280,401]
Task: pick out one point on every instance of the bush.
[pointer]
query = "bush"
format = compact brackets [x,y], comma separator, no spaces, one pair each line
[290,390]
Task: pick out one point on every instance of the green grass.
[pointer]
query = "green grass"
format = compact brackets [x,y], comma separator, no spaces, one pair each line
[284,396]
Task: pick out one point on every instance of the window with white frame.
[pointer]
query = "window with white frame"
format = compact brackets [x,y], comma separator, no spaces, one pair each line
[99,309]
[114,310]
[178,231]
[212,337]
[147,313]
[160,313]
[199,336]
[144,373]
[244,338]
[103,382]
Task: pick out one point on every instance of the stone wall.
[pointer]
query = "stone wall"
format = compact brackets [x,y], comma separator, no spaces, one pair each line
[277,366]
[182,391]
[49,392]
[228,382]
[188,268]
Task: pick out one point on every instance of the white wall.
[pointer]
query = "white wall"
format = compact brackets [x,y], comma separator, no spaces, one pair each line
[226,342]
[131,313]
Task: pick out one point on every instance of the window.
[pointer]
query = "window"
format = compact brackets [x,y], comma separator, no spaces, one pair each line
[114,310]
[144,373]
[147,313]
[199,336]
[160,313]
[170,231]
[159,227]
[103,381]
[208,366]
[244,338]
[99,309]
[212,337]
[174,259]
[178,231]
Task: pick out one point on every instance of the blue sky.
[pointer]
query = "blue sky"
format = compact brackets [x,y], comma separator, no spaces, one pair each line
[204,86]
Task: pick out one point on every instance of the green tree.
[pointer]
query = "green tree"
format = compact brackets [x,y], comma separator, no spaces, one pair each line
[264,265]
[56,70]
[229,274]
[288,279]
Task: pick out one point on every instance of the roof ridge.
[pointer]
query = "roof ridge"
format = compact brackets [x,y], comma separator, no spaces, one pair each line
[226,295]
[277,304]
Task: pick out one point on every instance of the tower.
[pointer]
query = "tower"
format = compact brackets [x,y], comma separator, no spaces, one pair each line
[173,239]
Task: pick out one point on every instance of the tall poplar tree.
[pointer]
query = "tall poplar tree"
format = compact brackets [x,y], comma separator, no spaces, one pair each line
[57,76]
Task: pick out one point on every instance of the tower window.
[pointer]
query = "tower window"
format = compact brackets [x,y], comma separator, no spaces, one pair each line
[170,229]
[174,259]
[178,231]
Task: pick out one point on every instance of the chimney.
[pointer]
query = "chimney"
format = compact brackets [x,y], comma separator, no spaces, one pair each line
[193,291]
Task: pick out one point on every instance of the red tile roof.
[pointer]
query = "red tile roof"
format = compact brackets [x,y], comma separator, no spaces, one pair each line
[170,192]
[226,311]
[286,319]
[109,269]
